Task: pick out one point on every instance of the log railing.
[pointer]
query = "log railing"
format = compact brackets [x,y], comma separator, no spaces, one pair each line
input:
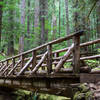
[50,61]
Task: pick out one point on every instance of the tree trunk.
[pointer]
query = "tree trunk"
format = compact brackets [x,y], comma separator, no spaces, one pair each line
[28,18]
[0,20]
[21,40]
[67,20]
[10,49]
[54,23]
[36,17]
[43,20]
[76,15]
[59,18]
[98,19]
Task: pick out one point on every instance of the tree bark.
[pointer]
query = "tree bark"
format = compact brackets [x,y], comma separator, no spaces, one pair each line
[98,19]
[36,16]
[59,17]
[67,20]
[54,23]
[76,15]
[1,12]
[21,40]
[10,49]
[28,18]
[43,20]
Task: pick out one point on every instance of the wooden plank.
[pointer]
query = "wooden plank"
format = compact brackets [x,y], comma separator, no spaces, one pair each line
[49,59]
[11,71]
[81,45]
[6,69]
[86,58]
[2,64]
[39,64]
[76,54]
[89,78]
[64,58]
[90,43]
[2,67]
[25,67]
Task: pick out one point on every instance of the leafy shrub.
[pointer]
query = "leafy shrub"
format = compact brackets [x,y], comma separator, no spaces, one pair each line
[92,63]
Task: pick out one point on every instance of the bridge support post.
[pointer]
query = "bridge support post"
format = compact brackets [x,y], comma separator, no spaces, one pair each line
[76,54]
[13,60]
[22,61]
[49,58]
[34,59]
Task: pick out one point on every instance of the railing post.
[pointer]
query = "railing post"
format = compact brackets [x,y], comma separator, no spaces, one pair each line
[22,61]
[55,56]
[7,63]
[13,62]
[34,59]
[49,59]
[76,54]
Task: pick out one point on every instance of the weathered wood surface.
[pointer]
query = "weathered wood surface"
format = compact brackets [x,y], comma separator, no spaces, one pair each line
[11,71]
[76,54]
[25,67]
[40,63]
[2,73]
[81,45]
[89,78]
[2,67]
[64,58]
[49,58]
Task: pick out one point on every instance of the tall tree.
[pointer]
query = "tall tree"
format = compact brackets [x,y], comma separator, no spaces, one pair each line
[21,40]
[67,20]
[10,49]
[54,22]
[36,22]
[59,18]
[36,16]
[43,20]
[1,19]
[98,18]
[28,18]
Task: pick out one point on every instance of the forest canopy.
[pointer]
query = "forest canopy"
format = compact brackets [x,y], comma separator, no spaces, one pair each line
[25,24]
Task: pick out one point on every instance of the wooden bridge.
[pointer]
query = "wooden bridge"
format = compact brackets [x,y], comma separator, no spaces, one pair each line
[47,72]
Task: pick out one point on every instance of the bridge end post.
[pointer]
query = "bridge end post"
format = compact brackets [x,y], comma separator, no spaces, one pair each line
[76,53]
[49,59]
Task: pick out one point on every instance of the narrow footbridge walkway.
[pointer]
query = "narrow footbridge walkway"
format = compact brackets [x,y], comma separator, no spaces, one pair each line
[47,72]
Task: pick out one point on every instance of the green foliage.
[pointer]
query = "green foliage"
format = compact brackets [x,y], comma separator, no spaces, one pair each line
[84,93]
[92,63]
[2,57]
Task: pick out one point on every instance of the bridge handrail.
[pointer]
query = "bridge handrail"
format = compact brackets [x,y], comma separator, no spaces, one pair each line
[79,33]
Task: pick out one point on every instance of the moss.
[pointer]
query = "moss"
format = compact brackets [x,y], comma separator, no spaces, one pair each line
[83,88]
[92,63]
[79,96]
[84,93]
[88,95]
